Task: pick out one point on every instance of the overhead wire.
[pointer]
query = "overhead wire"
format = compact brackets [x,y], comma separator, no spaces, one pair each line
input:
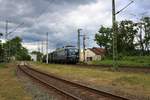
[43,11]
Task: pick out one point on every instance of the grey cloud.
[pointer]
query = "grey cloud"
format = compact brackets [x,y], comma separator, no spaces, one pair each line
[60,18]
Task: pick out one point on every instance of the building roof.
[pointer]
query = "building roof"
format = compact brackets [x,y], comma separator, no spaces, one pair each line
[98,51]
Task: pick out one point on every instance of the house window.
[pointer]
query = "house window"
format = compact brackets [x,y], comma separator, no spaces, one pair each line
[89,58]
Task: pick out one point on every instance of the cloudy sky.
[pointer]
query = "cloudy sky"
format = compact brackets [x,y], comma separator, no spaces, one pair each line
[62,18]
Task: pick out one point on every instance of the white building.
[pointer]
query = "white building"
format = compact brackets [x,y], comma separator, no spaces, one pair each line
[92,54]
[2,41]
[33,57]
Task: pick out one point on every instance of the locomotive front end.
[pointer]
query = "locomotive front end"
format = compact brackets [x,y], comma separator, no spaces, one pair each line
[73,55]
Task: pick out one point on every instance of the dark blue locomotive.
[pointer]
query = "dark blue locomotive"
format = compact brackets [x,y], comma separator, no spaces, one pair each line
[67,54]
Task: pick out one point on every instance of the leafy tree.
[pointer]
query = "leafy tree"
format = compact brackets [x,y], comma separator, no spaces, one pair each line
[23,54]
[146,40]
[1,50]
[15,49]
[104,38]
[126,37]
[14,46]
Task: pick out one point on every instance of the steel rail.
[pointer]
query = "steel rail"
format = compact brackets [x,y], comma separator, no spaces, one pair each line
[72,97]
[80,85]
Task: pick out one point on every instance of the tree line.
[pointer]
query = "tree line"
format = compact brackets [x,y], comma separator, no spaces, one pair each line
[13,49]
[133,38]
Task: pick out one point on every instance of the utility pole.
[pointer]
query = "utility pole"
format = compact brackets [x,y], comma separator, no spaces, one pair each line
[78,44]
[114,26]
[6,48]
[38,42]
[47,48]
[84,44]
[84,47]
[37,46]
[42,47]
[6,29]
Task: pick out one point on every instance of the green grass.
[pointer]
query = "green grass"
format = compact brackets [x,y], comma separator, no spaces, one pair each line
[2,65]
[130,61]
[128,82]
[10,87]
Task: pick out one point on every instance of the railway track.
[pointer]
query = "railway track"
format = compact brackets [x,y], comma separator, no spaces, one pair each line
[70,90]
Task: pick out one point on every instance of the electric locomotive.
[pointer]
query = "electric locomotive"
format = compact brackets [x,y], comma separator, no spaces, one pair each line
[67,54]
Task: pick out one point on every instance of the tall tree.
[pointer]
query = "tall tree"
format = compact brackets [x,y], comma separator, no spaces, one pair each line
[1,50]
[23,54]
[126,36]
[14,48]
[146,21]
[104,38]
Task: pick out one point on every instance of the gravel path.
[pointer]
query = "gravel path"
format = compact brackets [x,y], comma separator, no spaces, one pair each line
[36,90]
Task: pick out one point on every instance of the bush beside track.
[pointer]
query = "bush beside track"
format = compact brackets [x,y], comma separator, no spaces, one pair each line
[128,61]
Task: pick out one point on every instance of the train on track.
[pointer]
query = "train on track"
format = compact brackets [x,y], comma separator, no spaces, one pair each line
[67,54]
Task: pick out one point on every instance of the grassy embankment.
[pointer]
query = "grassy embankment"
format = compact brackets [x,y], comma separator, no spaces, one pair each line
[10,88]
[143,61]
[132,83]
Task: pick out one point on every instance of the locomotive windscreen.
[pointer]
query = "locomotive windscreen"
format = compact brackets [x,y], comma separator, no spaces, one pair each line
[73,51]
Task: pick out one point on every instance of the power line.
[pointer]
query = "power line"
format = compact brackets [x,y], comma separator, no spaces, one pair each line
[15,28]
[35,21]
[124,7]
[43,11]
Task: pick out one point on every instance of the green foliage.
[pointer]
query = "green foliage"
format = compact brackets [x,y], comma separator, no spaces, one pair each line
[2,65]
[1,52]
[127,60]
[14,49]
[23,54]
[104,38]
[127,36]
[138,59]
[146,40]
[13,46]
